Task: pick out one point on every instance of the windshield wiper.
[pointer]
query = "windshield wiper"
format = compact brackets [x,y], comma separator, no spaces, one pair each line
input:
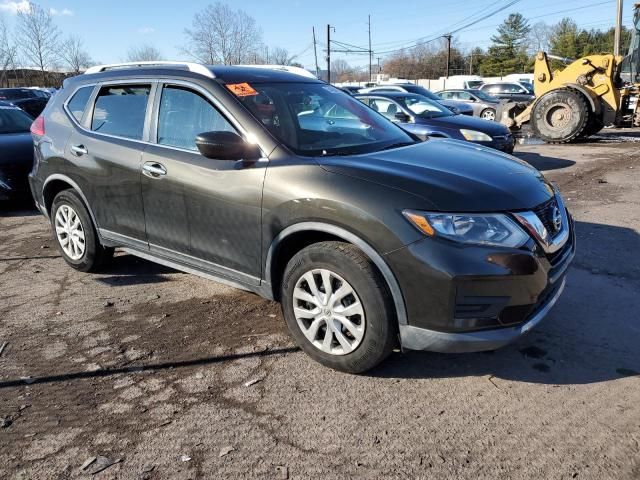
[398,145]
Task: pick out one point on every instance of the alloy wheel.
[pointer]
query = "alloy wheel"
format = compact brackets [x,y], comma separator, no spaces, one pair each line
[70,232]
[329,312]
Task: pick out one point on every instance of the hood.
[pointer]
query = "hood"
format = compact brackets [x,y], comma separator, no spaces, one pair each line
[452,176]
[16,149]
[470,123]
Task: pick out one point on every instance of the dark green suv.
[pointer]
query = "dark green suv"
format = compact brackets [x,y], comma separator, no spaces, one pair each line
[284,185]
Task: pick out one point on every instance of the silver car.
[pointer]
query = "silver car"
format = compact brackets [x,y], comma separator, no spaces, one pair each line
[483,104]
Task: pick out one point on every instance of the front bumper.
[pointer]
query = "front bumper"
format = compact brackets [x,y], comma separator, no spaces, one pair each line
[473,298]
[504,143]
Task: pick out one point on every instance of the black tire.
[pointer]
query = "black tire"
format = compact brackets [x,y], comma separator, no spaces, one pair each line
[95,255]
[348,262]
[560,116]
[488,114]
[593,126]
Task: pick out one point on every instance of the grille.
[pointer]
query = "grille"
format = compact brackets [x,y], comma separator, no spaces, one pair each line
[545,214]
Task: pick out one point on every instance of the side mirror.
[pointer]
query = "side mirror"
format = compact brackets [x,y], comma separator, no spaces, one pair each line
[471,99]
[402,117]
[226,146]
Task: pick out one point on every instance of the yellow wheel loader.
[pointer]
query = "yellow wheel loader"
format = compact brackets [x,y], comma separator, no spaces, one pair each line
[579,100]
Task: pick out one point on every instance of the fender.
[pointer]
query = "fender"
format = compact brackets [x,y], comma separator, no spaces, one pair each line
[368,250]
[74,185]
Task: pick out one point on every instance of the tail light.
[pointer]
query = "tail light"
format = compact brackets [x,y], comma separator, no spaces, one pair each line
[37,127]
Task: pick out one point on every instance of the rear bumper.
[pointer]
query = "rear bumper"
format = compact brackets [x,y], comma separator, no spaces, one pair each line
[415,338]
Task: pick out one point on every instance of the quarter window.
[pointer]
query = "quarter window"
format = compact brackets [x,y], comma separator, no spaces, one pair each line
[120,110]
[78,102]
[183,115]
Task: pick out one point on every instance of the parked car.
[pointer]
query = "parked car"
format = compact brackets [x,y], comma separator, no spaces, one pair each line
[514,91]
[350,89]
[30,100]
[369,237]
[455,107]
[16,152]
[425,118]
[484,105]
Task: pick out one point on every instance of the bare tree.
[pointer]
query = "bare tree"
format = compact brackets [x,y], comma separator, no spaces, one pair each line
[341,70]
[8,52]
[539,37]
[219,34]
[143,53]
[39,38]
[73,54]
[280,56]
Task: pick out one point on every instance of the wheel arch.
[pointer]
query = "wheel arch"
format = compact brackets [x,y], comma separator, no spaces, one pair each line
[306,233]
[56,183]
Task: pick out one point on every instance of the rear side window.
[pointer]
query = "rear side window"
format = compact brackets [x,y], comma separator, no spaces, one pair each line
[78,102]
[120,110]
[183,115]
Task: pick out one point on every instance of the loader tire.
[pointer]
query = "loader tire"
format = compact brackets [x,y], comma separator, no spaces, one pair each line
[560,116]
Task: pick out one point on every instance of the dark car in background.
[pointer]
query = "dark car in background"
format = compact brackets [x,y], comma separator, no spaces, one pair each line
[16,152]
[426,118]
[369,238]
[456,107]
[513,91]
[484,105]
[31,100]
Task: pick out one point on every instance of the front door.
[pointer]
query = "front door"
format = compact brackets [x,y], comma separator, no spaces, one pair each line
[206,212]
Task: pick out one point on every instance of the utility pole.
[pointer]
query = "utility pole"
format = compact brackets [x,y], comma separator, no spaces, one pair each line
[471,64]
[448,37]
[379,65]
[328,53]
[616,38]
[370,51]
[315,51]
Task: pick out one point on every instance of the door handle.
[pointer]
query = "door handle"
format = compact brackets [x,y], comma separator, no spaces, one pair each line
[153,169]
[79,150]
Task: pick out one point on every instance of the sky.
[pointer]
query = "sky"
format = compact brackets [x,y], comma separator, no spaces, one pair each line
[109,29]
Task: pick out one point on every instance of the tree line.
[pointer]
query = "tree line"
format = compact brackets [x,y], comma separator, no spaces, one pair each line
[512,50]
[218,34]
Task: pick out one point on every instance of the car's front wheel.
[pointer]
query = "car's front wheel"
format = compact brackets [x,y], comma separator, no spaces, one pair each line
[488,114]
[337,307]
[76,236]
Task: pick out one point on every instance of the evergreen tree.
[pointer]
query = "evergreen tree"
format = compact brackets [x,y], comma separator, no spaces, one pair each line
[508,53]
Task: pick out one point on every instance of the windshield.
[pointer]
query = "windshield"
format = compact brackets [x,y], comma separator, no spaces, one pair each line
[485,96]
[425,108]
[318,119]
[14,120]
[474,83]
[528,87]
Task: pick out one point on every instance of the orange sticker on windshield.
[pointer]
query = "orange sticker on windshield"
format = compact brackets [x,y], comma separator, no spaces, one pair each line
[242,89]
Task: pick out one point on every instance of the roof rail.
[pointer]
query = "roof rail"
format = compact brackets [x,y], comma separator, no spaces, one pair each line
[191,66]
[285,68]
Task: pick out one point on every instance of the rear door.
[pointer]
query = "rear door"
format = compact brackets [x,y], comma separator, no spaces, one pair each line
[201,211]
[107,150]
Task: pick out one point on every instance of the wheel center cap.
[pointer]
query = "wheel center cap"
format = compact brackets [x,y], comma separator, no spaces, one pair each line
[327,312]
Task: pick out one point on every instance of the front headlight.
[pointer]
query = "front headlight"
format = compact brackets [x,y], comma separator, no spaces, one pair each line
[475,136]
[481,228]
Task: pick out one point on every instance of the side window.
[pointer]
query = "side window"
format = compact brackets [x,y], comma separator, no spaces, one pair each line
[78,102]
[183,115]
[385,107]
[120,110]
[447,95]
[463,96]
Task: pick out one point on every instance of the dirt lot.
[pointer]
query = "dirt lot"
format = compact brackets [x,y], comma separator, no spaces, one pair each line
[174,376]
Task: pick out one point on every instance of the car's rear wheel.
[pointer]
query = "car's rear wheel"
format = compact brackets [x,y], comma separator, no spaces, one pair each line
[488,114]
[75,233]
[337,307]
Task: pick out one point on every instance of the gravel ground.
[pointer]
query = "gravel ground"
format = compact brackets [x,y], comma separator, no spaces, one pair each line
[172,376]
